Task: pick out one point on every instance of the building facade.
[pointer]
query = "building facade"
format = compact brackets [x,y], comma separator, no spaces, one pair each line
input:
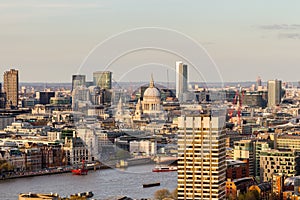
[201,158]
[181,79]
[78,80]
[11,88]
[274,92]
[274,161]
[102,79]
[244,151]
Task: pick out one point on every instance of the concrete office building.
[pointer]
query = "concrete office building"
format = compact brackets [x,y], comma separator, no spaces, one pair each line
[274,93]
[181,79]
[11,88]
[201,158]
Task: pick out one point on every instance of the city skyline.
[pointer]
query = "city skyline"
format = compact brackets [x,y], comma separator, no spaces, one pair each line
[243,44]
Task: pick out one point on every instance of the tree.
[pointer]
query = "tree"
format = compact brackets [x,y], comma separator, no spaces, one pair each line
[5,166]
[250,195]
[121,154]
[161,194]
[274,196]
[241,197]
[174,194]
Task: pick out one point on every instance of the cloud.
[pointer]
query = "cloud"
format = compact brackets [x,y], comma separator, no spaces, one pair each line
[280,27]
[71,5]
[282,31]
[50,5]
[294,36]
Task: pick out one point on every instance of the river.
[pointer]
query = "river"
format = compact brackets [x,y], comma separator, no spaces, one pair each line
[103,183]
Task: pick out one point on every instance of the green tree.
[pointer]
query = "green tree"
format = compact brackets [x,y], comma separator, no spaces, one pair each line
[121,154]
[161,194]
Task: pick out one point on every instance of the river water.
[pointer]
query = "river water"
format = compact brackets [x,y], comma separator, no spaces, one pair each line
[103,183]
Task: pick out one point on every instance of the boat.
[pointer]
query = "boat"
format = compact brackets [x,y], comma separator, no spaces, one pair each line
[151,184]
[122,164]
[164,169]
[38,196]
[51,196]
[80,171]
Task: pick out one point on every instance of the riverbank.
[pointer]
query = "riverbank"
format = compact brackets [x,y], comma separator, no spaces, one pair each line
[67,169]
[45,172]
[104,183]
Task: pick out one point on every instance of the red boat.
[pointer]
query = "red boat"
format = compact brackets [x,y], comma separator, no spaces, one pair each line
[80,171]
[164,169]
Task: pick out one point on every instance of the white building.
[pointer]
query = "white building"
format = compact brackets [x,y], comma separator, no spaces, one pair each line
[150,108]
[81,99]
[181,79]
[144,147]
[21,127]
[90,139]
[76,151]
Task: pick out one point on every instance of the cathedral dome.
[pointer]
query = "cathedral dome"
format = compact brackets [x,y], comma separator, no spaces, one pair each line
[152,92]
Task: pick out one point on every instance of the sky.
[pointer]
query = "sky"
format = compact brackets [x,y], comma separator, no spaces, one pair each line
[48,41]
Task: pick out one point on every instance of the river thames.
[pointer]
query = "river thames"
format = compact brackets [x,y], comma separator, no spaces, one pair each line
[103,183]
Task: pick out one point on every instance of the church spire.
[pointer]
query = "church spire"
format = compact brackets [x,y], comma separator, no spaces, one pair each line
[152,82]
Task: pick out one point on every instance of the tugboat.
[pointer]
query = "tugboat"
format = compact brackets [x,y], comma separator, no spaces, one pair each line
[80,171]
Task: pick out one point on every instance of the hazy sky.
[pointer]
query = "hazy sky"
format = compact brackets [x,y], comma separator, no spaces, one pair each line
[48,40]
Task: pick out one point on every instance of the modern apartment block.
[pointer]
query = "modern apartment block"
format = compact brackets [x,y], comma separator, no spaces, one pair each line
[259,147]
[201,158]
[244,151]
[274,162]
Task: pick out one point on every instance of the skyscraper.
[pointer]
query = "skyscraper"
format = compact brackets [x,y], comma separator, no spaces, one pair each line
[102,79]
[11,88]
[2,98]
[78,80]
[274,92]
[258,82]
[181,79]
[201,158]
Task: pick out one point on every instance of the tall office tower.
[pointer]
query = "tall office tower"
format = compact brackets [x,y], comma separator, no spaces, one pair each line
[274,92]
[258,82]
[11,88]
[102,79]
[201,158]
[2,98]
[78,80]
[181,79]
